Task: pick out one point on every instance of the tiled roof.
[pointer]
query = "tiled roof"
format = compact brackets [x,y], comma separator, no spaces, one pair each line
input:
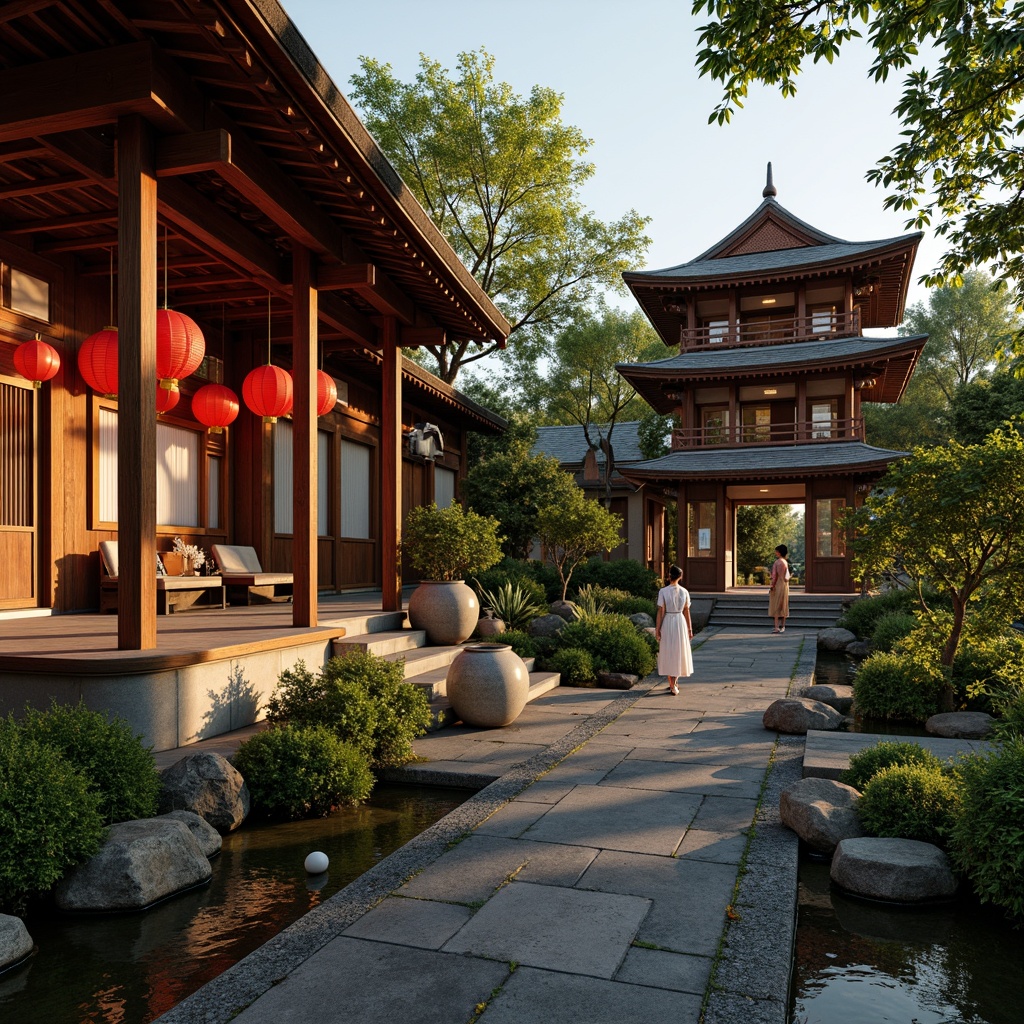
[569,446]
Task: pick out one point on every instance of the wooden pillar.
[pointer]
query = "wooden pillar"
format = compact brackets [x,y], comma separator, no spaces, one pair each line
[802,415]
[391,468]
[136,412]
[304,438]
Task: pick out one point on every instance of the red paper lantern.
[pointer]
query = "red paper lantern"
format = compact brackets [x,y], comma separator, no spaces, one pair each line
[166,399]
[267,391]
[97,361]
[180,347]
[36,361]
[215,406]
[326,393]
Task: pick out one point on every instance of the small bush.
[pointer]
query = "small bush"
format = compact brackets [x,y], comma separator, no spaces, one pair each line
[614,644]
[588,604]
[575,666]
[621,602]
[512,602]
[988,673]
[522,643]
[862,616]
[361,698]
[108,753]
[49,816]
[909,801]
[510,570]
[891,628]
[987,841]
[866,763]
[623,574]
[897,686]
[304,772]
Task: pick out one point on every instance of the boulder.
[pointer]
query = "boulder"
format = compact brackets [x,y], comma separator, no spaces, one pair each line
[206,835]
[897,870]
[797,715]
[821,812]
[642,620]
[960,725]
[140,863]
[209,785]
[15,941]
[617,680]
[835,695]
[565,610]
[835,639]
[546,625]
[859,649]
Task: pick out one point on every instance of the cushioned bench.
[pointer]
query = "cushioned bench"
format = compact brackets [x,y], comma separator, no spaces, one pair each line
[171,591]
[242,574]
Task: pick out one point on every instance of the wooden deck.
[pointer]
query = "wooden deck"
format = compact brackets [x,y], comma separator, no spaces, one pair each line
[86,643]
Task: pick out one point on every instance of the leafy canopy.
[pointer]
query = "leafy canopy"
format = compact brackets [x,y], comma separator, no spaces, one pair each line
[959,167]
[500,175]
[450,543]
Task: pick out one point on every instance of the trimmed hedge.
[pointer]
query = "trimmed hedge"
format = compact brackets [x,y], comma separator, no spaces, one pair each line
[614,643]
[910,801]
[867,763]
[575,666]
[897,686]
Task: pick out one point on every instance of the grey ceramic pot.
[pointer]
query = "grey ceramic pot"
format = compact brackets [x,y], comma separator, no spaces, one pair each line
[446,609]
[488,685]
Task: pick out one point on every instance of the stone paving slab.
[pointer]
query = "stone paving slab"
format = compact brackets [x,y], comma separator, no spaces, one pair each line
[659,968]
[421,923]
[676,777]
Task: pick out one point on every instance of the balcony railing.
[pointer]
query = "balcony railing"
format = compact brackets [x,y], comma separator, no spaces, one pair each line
[813,327]
[768,434]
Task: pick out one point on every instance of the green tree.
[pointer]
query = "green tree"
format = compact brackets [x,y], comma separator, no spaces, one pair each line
[500,175]
[959,166]
[916,419]
[582,385]
[759,529]
[654,434]
[953,517]
[513,486]
[983,405]
[573,530]
[480,446]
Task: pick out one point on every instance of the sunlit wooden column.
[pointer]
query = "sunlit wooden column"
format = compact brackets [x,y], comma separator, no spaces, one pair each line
[304,439]
[136,407]
[391,468]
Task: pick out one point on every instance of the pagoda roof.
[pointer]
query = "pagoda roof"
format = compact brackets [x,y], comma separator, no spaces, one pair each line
[764,462]
[889,361]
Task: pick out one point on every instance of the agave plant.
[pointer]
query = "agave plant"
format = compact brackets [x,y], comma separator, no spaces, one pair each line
[588,603]
[511,603]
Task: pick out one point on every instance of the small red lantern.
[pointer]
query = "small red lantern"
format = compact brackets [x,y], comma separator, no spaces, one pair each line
[36,361]
[326,393]
[267,391]
[215,406]
[97,361]
[166,399]
[180,347]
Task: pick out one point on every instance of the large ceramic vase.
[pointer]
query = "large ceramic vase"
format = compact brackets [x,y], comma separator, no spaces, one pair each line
[446,609]
[488,685]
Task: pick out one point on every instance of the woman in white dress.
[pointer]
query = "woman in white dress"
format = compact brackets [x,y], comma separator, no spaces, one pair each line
[674,630]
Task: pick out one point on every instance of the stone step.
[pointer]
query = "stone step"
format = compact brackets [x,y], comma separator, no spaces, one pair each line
[441,709]
[357,625]
[425,659]
[383,643]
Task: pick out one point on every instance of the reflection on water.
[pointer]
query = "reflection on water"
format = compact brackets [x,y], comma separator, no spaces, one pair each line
[128,969]
[867,963]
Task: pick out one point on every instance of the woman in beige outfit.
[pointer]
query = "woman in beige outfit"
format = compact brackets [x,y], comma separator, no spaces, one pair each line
[778,590]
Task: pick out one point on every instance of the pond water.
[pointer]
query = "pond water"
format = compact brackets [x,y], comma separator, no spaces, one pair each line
[130,968]
[869,963]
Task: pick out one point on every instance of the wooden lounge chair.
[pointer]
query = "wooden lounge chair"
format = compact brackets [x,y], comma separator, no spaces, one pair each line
[244,577]
[171,591]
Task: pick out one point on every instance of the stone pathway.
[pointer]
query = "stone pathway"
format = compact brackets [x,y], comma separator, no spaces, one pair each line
[609,872]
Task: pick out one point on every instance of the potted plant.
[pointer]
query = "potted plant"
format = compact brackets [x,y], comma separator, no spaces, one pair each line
[444,546]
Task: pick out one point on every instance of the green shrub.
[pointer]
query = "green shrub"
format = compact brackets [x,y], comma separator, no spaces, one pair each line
[897,686]
[49,816]
[614,644]
[621,602]
[866,763]
[511,570]
[890,628]
[588,604]
[909,801]
[988,673]
[450,543]
[305,772]
[987,841]
[512,602]
[575,666]
[623,574]
[361,698]
[108,753]
[522,643]
[863,615]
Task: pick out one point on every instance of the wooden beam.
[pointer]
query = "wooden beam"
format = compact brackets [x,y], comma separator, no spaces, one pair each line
[136,416]
[187,154]
[414,337]
[304,440]
[343,317]
[391,470]
[83,152]
[373,285]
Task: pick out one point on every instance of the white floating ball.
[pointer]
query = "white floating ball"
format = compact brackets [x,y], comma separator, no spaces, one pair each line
[316,862]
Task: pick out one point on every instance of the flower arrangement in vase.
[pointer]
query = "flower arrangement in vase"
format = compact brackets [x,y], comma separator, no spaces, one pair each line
[193,555]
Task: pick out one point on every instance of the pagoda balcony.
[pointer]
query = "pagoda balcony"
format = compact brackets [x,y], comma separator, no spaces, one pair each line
[777,331]
[688,438]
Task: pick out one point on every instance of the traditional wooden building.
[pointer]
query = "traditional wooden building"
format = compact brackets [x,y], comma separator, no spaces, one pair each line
[772,368]
[198,157]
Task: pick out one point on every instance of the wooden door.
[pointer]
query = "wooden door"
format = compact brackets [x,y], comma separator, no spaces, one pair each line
[19,497]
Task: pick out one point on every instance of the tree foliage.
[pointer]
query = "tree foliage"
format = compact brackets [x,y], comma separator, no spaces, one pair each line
[759,529]
[959,167]
[952,516]
[984,405]
[500,175]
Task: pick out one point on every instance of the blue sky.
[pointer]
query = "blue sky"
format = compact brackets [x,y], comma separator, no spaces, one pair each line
[626,70]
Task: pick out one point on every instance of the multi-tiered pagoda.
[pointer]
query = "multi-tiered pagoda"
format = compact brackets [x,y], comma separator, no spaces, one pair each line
[772,368]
